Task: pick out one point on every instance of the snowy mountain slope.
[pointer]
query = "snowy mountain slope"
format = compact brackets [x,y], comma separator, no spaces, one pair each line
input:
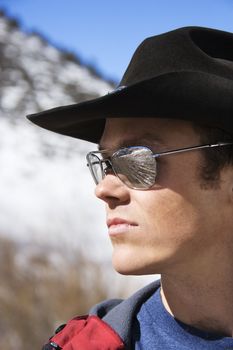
[47,202]
[46,192]
[36,76]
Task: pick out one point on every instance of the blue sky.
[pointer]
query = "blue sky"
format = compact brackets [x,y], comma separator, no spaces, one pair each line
[106,33]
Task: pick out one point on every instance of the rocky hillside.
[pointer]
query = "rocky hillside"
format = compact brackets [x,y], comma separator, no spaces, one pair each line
[45,188]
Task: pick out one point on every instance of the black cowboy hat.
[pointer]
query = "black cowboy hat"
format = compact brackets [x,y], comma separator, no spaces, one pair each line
[184,74]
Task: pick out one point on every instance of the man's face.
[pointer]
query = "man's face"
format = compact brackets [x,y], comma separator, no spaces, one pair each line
[175,225]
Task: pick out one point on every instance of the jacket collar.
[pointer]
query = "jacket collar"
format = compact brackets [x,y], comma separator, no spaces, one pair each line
[120,314]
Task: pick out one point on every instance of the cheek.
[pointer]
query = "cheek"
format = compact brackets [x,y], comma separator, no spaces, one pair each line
[173,230]
[164,237]
[167,219]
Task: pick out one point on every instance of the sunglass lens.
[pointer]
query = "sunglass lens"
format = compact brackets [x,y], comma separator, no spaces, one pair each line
[95,167]
[135,166]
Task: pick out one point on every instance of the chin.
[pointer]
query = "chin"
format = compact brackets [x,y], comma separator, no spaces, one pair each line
[129,265]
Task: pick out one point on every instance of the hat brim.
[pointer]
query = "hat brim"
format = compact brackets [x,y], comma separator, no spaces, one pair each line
[187,95]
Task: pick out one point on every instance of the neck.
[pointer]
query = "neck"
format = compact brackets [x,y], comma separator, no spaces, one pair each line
[201,298]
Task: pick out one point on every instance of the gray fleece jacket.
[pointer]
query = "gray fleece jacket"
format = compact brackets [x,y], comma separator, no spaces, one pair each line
[121,314]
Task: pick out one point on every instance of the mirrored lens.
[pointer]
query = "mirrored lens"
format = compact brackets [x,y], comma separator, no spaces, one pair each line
[135,166]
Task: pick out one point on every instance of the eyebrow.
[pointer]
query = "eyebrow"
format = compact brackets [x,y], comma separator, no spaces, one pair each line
[147,139]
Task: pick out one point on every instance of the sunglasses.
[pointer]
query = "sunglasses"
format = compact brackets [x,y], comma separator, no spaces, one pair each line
[135,166]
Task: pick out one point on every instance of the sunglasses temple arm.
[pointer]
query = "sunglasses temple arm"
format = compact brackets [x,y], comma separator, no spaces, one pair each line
[192,148]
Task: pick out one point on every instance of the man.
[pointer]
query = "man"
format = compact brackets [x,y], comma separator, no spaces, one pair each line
[164,168]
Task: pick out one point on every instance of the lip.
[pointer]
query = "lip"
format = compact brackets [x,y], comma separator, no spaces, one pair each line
[119,221]
[118,226]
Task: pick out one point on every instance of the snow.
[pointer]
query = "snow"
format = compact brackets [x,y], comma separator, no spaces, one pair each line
[46,198]
[12,95]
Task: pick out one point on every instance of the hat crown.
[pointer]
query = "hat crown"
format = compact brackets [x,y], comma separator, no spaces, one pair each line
[185,49]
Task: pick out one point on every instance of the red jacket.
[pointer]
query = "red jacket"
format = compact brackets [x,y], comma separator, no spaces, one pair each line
[86,333]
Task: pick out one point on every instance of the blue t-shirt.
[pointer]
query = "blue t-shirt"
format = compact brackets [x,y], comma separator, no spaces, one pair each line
[156,329]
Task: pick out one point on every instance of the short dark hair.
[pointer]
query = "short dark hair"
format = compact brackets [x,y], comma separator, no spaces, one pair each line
[214,159]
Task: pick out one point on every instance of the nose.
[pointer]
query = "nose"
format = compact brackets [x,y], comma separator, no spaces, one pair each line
[112,191]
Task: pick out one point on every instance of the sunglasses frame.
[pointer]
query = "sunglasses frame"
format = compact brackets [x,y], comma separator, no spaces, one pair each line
[107,161]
